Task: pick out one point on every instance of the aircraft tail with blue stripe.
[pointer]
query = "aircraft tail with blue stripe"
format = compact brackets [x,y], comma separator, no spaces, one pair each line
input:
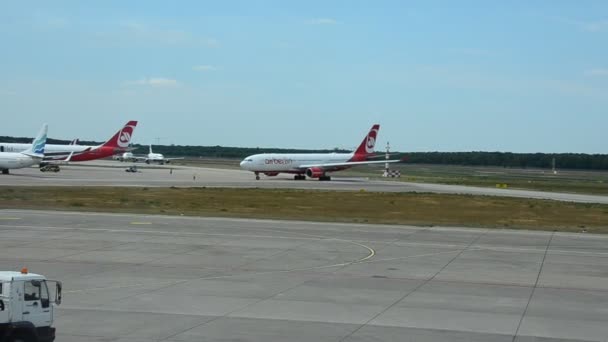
[37,148]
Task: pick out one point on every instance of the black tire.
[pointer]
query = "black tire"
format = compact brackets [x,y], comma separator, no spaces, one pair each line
[5,171]
[21,337]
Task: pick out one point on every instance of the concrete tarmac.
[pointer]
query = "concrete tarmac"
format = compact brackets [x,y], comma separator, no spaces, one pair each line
[133,278]
[110,173]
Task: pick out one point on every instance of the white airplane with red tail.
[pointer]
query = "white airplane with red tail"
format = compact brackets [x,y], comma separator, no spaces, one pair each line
[314,165]
[118,143]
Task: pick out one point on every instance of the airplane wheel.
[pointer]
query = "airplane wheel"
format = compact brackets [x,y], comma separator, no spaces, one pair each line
[257,177]
[5,171]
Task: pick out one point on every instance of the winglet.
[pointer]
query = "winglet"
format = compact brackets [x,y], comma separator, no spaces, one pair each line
[36,150]
[122,138]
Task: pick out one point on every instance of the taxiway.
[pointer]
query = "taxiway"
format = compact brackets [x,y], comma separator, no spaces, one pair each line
[108,173]
[133,278]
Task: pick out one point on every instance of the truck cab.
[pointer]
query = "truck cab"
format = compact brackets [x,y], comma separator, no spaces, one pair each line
[27,307]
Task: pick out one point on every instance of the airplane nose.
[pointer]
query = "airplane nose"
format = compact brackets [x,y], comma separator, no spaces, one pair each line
[242,164]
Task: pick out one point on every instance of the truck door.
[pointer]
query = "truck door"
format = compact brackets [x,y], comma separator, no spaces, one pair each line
[36,303]
[4,303]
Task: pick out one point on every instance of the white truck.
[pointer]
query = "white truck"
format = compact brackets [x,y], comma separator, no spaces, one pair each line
[26,307]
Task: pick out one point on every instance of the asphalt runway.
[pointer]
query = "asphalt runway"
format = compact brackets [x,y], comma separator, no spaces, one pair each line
[111,173]
[133,278]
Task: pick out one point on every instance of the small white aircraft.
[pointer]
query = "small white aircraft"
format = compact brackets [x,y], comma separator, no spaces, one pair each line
[151,157]
[127,156]
[30,156]
[314,165]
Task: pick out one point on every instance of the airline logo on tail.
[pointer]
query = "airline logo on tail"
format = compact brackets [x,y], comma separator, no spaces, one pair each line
[371,140]
[40,141]
[124,137]
[38,145]
[37,148]
[367,145]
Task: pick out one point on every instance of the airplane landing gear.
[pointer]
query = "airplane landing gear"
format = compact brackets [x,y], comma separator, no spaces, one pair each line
[257,176]
[299,177]
[324,178]
[5,171]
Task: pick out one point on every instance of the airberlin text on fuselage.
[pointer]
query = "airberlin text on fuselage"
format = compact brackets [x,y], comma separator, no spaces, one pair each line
[274,161]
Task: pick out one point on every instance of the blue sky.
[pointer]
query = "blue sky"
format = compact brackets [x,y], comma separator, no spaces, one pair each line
[520,76]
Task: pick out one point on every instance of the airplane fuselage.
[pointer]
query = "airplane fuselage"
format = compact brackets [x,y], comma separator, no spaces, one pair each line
[48,149]
[80,152]
[10,160]
[291,162]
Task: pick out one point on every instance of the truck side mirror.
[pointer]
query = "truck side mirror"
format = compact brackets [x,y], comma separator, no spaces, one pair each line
[58,293]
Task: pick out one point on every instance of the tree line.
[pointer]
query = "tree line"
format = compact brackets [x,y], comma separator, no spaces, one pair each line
[580,161]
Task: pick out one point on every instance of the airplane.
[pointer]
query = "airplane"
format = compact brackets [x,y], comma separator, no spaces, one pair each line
[127,156]
[28,157]
[151,157]
[76,153]
[314,165]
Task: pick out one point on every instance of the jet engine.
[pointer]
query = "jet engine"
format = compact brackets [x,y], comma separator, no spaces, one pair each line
[315,172]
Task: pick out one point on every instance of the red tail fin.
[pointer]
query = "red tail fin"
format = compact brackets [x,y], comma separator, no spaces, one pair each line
[367,145]
[123,137]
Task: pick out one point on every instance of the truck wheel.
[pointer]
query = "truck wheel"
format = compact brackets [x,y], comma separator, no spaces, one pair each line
[21,338]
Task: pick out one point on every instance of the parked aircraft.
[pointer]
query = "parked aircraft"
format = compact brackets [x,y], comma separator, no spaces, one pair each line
[116,144]
[32,155]
[127,156]
[157,158]
[151,157]
[313,165]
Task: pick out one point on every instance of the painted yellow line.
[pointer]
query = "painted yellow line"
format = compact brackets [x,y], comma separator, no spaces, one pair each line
[137,222]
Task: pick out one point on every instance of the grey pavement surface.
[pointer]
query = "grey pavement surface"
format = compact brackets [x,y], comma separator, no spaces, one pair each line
[111,173]
[131,278]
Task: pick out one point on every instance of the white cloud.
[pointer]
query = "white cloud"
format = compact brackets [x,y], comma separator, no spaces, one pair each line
[144,33]
[597,72]
[588,26]
[204,68]
[594,26]
[322,21]
[153,82]
[473,52]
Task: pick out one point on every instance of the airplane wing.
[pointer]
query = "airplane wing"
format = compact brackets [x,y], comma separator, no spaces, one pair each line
[59,161]
[332,165]
[55,156]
